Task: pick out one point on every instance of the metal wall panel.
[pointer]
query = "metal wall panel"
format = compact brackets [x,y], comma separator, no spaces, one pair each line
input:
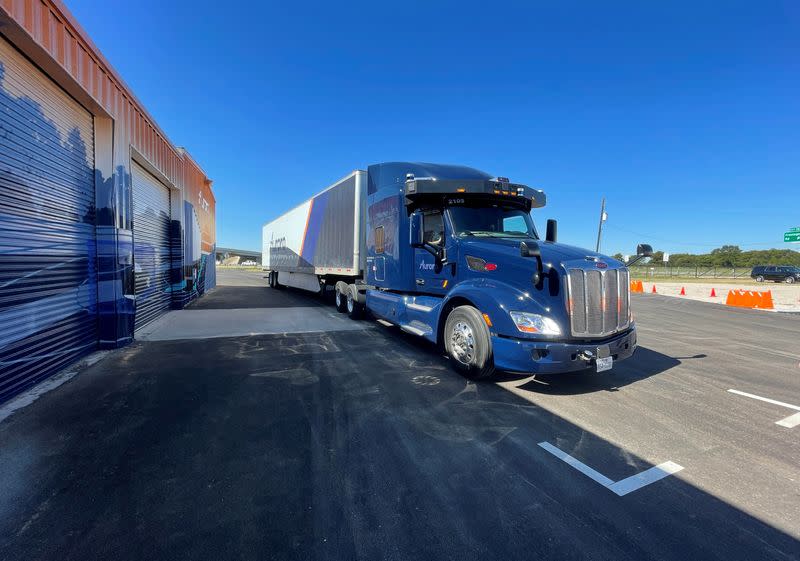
[151,246]
[48,254]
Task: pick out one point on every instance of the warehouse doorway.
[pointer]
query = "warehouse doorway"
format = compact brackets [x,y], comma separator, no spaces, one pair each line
[48,253]
[151,246]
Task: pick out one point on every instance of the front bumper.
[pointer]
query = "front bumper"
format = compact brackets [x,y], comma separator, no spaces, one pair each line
[549,357]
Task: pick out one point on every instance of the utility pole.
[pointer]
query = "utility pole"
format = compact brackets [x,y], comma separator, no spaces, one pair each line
[603,217]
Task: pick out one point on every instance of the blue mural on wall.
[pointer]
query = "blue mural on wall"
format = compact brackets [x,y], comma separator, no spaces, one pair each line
[48,248]
[67,260]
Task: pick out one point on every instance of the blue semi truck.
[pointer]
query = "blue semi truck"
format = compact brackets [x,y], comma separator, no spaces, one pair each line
[451,254]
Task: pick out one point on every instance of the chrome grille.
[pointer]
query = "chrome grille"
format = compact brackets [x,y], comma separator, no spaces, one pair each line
[598,301]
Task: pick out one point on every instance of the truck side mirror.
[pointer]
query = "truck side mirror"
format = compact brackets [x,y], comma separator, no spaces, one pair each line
[529,249]
[644,250]
[552,230]
[417,235]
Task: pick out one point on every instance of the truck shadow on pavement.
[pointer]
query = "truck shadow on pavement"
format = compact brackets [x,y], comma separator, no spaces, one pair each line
[644,363]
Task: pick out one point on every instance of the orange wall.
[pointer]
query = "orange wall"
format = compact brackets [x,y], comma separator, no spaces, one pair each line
[198,193]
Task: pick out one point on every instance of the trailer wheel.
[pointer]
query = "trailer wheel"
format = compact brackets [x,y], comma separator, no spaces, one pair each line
[466,339]
[354,309]
[341,302]
[275,283]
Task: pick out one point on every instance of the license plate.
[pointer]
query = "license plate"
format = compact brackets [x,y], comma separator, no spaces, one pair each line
[605,363]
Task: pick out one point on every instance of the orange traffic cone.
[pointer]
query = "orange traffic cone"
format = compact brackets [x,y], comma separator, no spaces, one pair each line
[654,289]
[683,291]
[713,293]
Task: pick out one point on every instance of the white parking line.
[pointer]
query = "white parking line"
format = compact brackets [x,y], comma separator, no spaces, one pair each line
[768,400]
[624,486]
[790,422]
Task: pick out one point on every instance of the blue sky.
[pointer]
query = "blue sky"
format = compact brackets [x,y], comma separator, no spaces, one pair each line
[684,115]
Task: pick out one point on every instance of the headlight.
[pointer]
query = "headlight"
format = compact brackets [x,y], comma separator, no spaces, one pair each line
[534,323]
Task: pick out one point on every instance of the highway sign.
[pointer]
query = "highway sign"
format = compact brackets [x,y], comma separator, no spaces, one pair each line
[791,237]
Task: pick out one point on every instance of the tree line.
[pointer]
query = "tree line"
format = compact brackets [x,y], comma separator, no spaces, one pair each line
[728,256]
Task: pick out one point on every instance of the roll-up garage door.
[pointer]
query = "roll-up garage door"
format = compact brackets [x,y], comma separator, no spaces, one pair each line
[151,247]
[48,278]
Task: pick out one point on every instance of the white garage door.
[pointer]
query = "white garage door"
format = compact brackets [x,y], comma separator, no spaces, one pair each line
[48,256]
[151,247]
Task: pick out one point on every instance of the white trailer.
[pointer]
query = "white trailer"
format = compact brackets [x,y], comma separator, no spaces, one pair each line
[321,240]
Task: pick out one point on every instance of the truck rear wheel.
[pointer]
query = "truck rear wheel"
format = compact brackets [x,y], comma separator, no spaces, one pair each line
[354,309]
[467,342]
[341,302]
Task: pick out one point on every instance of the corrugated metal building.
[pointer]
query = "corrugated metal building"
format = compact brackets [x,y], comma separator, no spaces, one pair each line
[104,224]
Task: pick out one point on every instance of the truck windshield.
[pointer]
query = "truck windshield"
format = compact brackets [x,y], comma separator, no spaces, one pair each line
[493,221]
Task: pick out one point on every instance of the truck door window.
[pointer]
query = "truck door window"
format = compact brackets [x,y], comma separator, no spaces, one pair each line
[433,227]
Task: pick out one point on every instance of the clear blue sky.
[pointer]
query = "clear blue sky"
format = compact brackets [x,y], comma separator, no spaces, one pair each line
[685,115]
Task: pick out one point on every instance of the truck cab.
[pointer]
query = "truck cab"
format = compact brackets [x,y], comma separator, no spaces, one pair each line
[453,255]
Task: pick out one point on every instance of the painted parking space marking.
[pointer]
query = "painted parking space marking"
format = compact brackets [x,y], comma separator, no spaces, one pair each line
[623,486]
[790,422]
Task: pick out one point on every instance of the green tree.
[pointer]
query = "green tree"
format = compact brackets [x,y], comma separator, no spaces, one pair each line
[726,256]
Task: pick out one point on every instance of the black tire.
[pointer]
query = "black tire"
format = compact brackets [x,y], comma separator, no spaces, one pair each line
[467,342]
[759,278]
[341,302]
[275,283]
[354,309]
[790,280]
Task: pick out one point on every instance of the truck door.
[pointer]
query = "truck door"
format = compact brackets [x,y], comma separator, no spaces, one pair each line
[431,277]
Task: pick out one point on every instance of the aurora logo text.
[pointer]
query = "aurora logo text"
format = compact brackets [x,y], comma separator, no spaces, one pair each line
[425,266]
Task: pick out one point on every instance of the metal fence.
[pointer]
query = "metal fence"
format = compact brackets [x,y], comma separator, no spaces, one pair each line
[700,272]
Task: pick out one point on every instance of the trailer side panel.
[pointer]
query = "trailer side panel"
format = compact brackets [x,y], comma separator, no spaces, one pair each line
[322,236]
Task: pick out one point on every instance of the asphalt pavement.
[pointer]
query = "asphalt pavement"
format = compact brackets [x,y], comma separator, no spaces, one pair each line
[364,444]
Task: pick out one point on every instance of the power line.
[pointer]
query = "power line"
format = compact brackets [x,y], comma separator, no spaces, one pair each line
[675,242]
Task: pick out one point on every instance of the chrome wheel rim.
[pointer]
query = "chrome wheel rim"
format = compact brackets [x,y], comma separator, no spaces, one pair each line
[338,299]
[462,342]
[350,303]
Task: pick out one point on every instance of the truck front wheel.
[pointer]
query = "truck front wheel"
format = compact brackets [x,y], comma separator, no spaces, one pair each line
[467,342]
